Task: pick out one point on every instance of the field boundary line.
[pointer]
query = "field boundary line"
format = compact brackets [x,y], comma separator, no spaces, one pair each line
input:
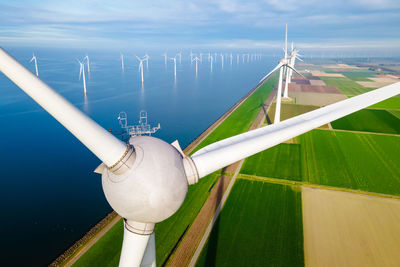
[316,186]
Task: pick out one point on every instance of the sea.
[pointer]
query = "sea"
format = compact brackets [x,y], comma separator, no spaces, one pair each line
[49,193]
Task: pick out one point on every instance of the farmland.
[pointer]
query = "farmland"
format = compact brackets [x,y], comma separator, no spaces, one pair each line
[395,113]
[260,225]
[281,161]
[367,162]
[368,120]
[346,86]
[391,103]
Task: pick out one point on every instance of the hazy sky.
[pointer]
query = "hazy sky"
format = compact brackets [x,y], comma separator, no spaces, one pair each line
[207,23]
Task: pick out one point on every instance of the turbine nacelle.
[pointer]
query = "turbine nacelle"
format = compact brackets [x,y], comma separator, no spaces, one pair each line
[153,188]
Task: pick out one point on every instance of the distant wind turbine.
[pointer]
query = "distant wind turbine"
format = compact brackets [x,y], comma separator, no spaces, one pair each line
[180,57]
[237,59]
[222,61]
[211,62]
[141,66]
[196,59]
[34,58]
[174,59]
[231,58]
[82,71]
[165,59]
[146,57]
[88,63]
[122,62]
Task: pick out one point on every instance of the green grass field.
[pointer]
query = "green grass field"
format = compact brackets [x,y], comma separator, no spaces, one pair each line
[367,162]
[369,120]
[281,161]
[171,230]
[391,103]
[260,225]
[356,75]
[346,86]
[395,113]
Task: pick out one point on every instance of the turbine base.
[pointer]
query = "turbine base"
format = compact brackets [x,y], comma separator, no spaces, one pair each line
[139,227]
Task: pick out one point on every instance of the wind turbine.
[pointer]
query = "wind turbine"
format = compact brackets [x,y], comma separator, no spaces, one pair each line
[146,181]
[180,57]
[141,66]
[292,58]
[174,59]
[211,62]
[146,57]
[88,64]
[237,59]
[82,71]
[231,58]
[283,64]
[165,59]
[122,63]
[196,59]
[222,61]
[35,59]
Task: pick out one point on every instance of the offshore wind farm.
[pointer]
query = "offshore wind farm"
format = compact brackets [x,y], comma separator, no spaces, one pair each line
[249,149]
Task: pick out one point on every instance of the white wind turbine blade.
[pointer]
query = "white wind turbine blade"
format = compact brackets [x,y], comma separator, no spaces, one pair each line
[133,249]
[103,144]
[223,153]
[295,70]
[80,69]
[269,74]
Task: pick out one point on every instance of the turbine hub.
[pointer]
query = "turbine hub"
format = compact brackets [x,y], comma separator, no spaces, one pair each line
[154,187]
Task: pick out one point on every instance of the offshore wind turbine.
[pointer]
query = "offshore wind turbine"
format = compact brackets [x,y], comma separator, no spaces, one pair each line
[196,59]
[88,64]
[211,62]
[231,58]
[165,59]
[36,68]
[146,181]
[237,59]
[180,57]
[82,71]
[141,66]
[122,63]
[174,59]
[222,61]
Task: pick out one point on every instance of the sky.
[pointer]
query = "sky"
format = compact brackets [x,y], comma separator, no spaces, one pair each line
[208,24]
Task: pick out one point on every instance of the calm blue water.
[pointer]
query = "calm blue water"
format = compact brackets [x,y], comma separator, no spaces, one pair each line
[50,196]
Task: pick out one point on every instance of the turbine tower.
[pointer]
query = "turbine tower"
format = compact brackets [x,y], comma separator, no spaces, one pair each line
[88,64]
[165,59]
[174,59]
[146,181]
[231,58]
[122,63]
[292,58]
[222,61]
[196,59]
[141,66]
[211,62]
[82,73]
[36,68]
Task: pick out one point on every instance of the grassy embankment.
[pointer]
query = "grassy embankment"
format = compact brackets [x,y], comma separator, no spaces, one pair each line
[169,232]
[260,225]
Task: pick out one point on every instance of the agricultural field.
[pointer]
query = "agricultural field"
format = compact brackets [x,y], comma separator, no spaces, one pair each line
[356,75]
[367,162]
[346,85]
[395,113]
[391,103]
[260,225]
[369,120]
[282,161]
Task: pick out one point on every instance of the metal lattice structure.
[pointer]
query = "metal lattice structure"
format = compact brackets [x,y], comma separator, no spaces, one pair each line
[143,128]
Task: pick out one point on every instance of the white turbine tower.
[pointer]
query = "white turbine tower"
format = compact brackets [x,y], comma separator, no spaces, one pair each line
[141,66]
[196,59]
[165,59]
[122,63]
[174,59]
[88,64]
[292,58]
[231,58]
[146,181]
[180,57]
[211,62]
[237,59]
[146,57]
[222,61]
[284,63]
[36,68]
[82,73]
